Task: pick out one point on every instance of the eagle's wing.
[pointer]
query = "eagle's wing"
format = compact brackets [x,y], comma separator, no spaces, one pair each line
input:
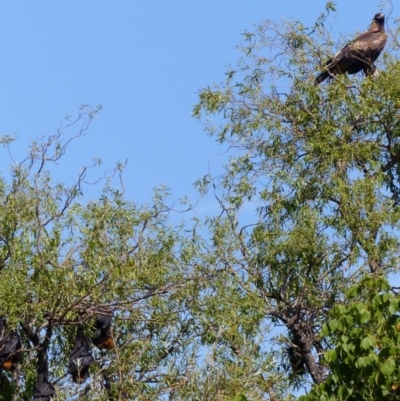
[357,55]
[366,47]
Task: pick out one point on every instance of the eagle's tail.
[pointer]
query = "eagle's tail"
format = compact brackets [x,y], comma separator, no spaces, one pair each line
[321,77]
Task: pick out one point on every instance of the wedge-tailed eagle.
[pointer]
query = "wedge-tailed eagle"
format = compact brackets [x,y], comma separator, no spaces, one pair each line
[359,54]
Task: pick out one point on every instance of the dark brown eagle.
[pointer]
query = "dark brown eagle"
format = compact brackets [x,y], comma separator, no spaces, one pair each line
[358,54]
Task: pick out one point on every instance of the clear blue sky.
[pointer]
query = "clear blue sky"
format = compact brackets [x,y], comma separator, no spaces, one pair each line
[144,61]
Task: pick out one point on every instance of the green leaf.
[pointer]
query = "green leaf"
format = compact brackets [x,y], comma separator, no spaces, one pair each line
[330,356]
[365,316]
[388,367]
[239,398]
[368,342]
[338,310]
[364,361]
[346,347]
[344,339]
[330,6]
[333,324]
[394,306]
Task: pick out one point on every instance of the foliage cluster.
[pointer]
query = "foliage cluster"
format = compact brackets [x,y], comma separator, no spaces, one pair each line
[285,289]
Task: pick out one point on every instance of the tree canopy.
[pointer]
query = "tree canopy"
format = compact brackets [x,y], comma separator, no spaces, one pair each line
[319,167]
[64,263]
[286,291]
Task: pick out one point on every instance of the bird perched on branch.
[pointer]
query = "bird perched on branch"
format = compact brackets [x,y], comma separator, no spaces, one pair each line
[102,338]
[81,357]
[359,54]
[10,345]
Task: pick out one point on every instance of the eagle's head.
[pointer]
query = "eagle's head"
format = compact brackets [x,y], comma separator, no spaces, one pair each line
[379,18]
[378,23]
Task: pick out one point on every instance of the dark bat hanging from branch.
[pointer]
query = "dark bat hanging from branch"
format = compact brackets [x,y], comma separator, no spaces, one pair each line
[296,360]
[10,346]
[107,385]
[44,390]
[81,357]
[102,338]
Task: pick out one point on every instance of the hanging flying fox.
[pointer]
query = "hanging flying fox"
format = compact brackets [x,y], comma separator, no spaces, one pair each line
[107,386]
[359,54]
[296,360]
[44,390]
[81,357]
[10,345]
[102,338]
